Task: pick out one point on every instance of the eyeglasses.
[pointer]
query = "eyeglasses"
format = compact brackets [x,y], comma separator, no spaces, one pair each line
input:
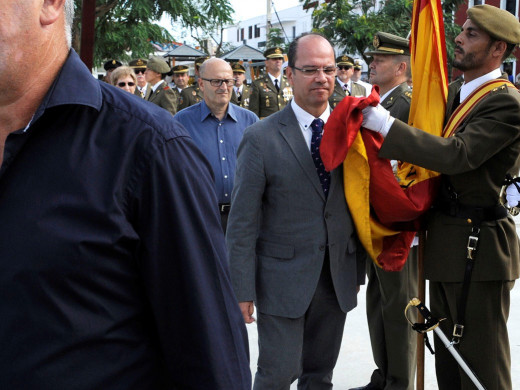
[219,82]
[123,84]
[137,71]
[310,71]
[344,67]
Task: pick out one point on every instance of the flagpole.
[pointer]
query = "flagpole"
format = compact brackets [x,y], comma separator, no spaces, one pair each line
[421,287]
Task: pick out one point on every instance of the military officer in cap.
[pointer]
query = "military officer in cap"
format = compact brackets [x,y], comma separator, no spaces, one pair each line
[241,91]
[161,94]
[193,95]
[180,79]
[344,85]
[139,67]
[109,66]
[271,92]
[356,76]
[393,340]
[472,248]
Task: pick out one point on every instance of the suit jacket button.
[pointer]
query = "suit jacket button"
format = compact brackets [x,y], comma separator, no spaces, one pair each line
[322,247]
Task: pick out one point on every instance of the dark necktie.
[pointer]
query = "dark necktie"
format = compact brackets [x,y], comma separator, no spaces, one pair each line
[456,102]
[345,88]
[276,85]
[324,176]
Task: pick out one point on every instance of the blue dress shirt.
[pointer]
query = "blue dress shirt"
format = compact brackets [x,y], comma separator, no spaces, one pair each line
[218,140]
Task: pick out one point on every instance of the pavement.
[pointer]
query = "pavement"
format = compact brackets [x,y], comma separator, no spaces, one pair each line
[355,363]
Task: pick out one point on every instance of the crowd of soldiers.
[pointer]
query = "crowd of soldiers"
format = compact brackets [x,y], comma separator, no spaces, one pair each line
[268,93]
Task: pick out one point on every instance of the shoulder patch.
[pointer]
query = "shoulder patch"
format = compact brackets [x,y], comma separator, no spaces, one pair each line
[166,87]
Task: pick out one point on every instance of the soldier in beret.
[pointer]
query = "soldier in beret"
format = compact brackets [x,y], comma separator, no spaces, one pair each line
[393,340]
[193,95]
[139,67]
[241,91]
[472,249]
[161,94]
[271,92]
[109,66]
[344,86]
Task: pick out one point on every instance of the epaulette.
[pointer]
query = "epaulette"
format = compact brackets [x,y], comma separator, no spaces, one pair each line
[408,94]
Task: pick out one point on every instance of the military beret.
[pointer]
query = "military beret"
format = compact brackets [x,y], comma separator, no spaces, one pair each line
[238,68]
[357,64]
[200,60]
[157,64]
[138,64]
[273,52]
[177,69]
[112,64]
[345,60]
[386,43]
[498,23]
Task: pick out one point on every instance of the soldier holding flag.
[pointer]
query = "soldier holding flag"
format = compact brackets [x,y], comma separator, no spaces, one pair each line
[472,250]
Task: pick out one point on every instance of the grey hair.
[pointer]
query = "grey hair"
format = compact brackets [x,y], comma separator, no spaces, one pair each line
[69,18]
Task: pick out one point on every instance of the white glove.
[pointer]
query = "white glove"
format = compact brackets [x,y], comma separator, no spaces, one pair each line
[512,195]
[377,119]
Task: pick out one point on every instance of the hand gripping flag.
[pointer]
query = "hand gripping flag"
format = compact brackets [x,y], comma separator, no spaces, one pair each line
[386,209]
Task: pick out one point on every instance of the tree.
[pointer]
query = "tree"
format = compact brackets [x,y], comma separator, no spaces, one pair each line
[125,28]
[352,24]
[275,38]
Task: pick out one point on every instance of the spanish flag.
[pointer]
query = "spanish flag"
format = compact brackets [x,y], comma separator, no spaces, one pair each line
[387,211]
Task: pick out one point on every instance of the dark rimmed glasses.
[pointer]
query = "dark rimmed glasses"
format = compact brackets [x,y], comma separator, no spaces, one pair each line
[312,71]
[219,82]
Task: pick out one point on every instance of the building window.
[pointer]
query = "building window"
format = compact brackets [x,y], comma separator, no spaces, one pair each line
[250,32]
[257,31]
[238,35]
[241,34]
[511,6]
[293,32]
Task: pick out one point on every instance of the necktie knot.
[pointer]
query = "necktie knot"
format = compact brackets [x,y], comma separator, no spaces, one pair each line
[317,125]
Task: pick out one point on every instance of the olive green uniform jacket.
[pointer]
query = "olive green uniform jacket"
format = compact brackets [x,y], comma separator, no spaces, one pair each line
[244,100]
[265,99]
[338,94]
[164,97]
[475,160]
[147,94]
[190,96]
[398,102]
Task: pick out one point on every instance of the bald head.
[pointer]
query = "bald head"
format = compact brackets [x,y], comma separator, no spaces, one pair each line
[212,64]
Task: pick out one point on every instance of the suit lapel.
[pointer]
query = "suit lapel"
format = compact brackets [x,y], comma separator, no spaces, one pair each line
[290,130]
[270,85]
[155,95]
[339,90]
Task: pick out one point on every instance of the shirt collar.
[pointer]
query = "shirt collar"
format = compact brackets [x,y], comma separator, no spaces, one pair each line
[341,83]
[304,118]
[205,112]
[468,88]
[64,88]
[156,85]
[275,78]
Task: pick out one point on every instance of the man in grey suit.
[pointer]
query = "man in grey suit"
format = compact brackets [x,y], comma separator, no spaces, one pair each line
[292,244]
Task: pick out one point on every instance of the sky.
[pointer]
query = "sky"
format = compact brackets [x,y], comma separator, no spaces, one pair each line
[245,9]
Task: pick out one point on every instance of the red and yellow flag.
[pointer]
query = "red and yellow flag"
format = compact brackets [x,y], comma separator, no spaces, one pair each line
[385,210]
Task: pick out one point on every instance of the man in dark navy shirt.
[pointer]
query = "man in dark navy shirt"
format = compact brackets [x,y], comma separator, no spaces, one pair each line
[113,270]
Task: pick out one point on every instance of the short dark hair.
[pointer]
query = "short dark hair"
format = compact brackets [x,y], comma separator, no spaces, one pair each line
[293,47]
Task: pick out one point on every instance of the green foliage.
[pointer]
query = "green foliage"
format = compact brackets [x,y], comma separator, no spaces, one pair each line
[275,38]
[125,28]
[351,24]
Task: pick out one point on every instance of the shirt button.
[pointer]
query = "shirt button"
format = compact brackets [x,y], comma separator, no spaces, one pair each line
[225,176]
[226,195]
[220,124]
[223,158]
[322,247]
[221,141]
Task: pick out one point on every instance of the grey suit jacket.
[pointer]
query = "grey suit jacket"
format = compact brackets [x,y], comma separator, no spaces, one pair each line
[280,223]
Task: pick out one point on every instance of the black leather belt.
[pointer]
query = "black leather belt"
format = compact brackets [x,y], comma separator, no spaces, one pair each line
[224,208]
[475,213]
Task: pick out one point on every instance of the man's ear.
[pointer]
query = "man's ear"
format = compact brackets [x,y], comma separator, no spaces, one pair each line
[51,11]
